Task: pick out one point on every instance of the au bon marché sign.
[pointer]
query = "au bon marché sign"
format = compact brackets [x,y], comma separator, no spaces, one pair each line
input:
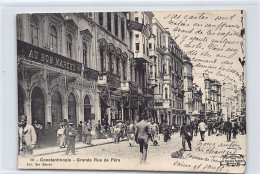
[41,55]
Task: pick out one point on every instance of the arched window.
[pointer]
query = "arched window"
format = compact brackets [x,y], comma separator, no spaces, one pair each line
[166,93]
[85,54]
[69,45]
[53,39]
[34,26]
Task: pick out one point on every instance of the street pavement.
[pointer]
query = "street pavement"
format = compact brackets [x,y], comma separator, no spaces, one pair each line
[205,155]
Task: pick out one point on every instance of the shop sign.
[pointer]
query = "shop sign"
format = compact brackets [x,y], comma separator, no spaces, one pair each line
[44,56]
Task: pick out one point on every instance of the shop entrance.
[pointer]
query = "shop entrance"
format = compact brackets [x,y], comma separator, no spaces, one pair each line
[56,109]
[72,109]
[21,97]
[38,106]
[87,109]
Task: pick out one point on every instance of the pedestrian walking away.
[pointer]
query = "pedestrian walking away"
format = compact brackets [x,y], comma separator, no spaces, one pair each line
[186,134]
[142,134]
[228,128]
[202,130]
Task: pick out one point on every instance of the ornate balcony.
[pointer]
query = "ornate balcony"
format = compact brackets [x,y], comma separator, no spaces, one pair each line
[90,74]
[110,79]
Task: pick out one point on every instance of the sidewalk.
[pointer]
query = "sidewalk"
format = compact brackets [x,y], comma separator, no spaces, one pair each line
[78,145]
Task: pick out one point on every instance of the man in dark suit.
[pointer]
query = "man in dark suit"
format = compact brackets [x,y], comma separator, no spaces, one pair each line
[228,128]
[142,132]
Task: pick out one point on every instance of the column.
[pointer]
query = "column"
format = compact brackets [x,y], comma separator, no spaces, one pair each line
[48,117]
[122,111]
[78,114]
[65,110]
[27,110]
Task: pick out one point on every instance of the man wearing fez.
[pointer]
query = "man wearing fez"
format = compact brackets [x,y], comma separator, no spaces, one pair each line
[142,133]
[71,135]
[27,136]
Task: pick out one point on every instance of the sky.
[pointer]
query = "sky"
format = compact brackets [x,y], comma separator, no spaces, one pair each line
[212,39]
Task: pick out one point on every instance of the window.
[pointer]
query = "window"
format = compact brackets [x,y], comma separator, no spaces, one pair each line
[69,46]
[124,70]
[123,29]
[151,71]
[100,18]
[143,45]
[166,93]
[85,52]
[164,41]
[150,46]
[34,24]
[109,22]
[137,47]
[53,39]
[136,19]
[118,66]
[137,36]
[102,60]
[116,24]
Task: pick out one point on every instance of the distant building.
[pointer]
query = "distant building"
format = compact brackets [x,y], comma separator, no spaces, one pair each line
[231,101]
[212,98]
[197,108]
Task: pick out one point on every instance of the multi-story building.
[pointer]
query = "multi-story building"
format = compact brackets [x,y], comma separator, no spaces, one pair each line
[231,101]
[166,75]
[74,67]
[188,86]
[178,111]
[157,71]
[197,108]
[57,68]
[212,98]
[139,25]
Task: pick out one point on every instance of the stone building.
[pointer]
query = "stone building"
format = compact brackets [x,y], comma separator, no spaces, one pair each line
[197,107]
[166,75]
[74,67]
[212,98]
[57,69]
[188,86]
[139,25]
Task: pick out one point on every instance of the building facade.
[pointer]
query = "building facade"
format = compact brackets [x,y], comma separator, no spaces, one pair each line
[212,98]
[57,69]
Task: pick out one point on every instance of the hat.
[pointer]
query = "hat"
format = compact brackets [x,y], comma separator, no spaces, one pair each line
[70,123]
[24,117]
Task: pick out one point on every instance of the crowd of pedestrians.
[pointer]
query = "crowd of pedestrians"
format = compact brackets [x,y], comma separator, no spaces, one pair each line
[137,133]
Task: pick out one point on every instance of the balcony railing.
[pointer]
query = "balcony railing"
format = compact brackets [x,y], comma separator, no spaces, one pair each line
[112,80]
[91,74]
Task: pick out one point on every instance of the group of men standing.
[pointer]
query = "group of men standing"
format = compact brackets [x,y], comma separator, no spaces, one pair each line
[27,137]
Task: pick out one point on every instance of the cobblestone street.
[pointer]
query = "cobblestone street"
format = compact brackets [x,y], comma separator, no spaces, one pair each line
[204,155]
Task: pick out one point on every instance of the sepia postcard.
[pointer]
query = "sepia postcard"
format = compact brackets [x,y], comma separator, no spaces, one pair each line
[138,90]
